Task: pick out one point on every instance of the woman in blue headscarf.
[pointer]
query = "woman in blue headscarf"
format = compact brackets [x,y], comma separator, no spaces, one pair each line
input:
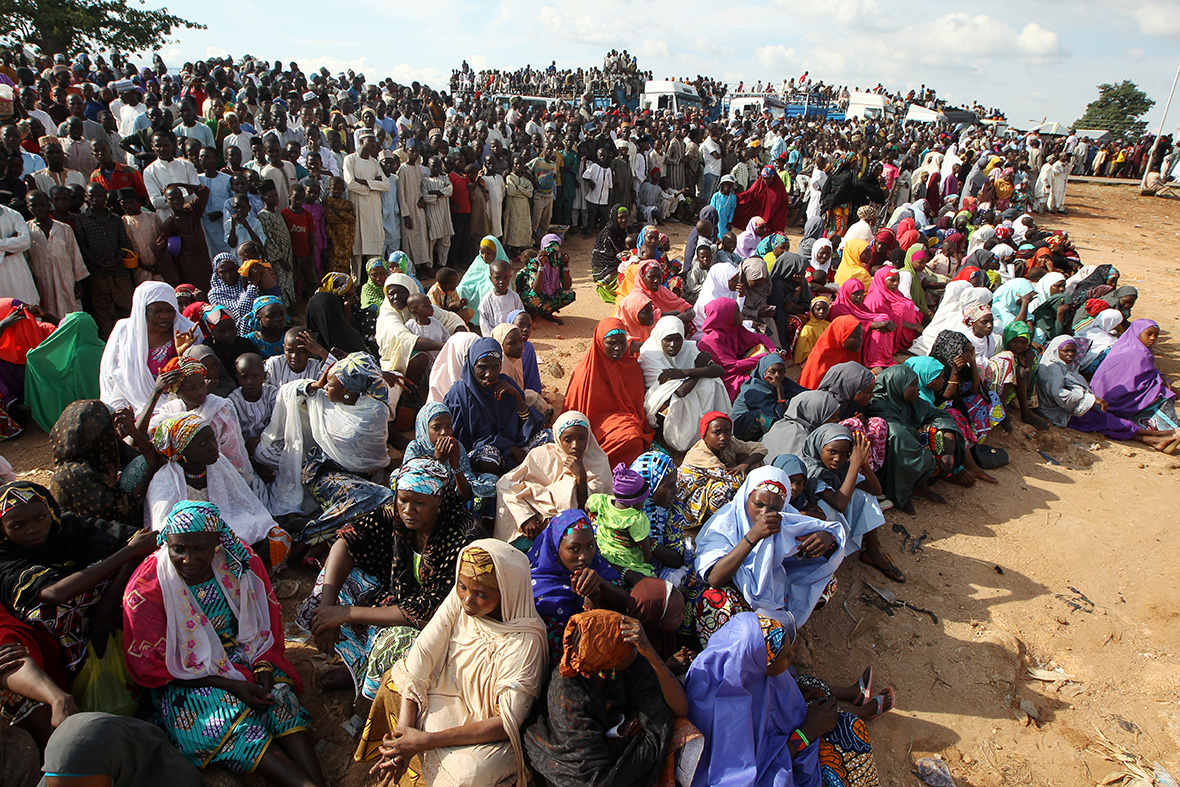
[386,575]
[488,411]
[476,282]
[434,439]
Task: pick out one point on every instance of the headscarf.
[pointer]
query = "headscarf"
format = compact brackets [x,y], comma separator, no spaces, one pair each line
[483,485]
[883,300]
[1006,301]
[326,318]
[85,434]
[476,284]
[767,244]
[191,516]
[554,596]
[773,576]
[599,647]
[423,475]
[747,241]
[513,367]
[448,366]
[187,367]
[947,317]
[707,213]
[1113,298]
[813,261]
[371,294]
[251,323]
[829,351]
[805,413]
[360,374]
[23,335]
[174,434]
[844,305]
[1043,287]
[813,231]
[337,283]
[1100,334]
[654,467]
[757,395]
[478,417]
[850,264]
[812,455]
[124,375]
[228,295]
[928,369]
[628,311]
[1051,357]
[1127,379]
[728,341]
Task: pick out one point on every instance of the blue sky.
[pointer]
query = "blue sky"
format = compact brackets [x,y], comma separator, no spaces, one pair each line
[1035,60]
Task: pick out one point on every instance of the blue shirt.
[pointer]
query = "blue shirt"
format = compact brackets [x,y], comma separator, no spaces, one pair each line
[725,206]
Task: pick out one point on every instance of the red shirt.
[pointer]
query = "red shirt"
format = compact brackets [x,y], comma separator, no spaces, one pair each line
[301,226]
[461,196]
[122,178]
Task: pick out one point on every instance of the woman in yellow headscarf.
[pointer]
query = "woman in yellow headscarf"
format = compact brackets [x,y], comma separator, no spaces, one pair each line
[854,262]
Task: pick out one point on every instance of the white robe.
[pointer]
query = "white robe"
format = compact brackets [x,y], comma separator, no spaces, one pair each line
[16,280]
[366,198]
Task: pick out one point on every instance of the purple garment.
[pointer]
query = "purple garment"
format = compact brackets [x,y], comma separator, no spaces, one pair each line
[745,715]
[1110,425]
[552,592]
[1127,379]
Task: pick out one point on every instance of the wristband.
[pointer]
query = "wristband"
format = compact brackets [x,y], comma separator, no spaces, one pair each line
[746,538]
[797,742]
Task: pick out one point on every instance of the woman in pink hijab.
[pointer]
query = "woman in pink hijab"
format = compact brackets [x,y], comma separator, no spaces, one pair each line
[884,297]
[879,341]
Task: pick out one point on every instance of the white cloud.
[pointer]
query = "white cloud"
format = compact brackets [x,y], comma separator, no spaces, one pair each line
[777,58]
[1157,19]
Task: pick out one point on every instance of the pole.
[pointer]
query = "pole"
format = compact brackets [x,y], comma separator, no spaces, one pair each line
[1160,133]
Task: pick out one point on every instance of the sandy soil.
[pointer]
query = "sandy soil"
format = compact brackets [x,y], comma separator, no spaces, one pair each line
[1064,567]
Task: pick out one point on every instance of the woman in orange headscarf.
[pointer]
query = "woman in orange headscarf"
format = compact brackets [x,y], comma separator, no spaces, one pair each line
[841,342]
[608,387]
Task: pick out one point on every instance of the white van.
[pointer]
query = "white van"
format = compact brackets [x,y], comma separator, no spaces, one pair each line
[755,105]
[661,95]
[868,105]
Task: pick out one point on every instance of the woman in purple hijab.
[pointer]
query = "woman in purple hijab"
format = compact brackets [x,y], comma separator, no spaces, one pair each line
[1130,385]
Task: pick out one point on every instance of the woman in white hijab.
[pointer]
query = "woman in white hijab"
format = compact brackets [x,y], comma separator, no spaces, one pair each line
[1101,335]
[717,285]
[140,345]
[395,341]
[948,317]
[448,366]
[682,383]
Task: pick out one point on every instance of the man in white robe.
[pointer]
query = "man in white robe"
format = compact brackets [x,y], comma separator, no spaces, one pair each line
[409,183]
[365,181]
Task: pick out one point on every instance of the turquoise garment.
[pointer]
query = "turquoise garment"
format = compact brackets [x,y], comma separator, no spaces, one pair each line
[928,369]
[212,726]
[476,283]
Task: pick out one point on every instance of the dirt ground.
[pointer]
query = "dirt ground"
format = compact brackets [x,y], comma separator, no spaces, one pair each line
[1062,569]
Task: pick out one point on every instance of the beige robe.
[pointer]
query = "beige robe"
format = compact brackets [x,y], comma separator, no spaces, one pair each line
[56,264]
[366,198]
[409,191]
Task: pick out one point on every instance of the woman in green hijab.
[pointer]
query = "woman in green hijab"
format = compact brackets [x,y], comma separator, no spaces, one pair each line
[923,441]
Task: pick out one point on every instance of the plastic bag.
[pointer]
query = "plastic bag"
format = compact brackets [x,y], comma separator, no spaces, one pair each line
[102,684]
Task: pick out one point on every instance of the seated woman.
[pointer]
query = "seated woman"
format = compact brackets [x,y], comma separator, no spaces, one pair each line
[1012,301]
[570,575]
[650,282]
[608,714]
[1067,400]
[229,289]
[735,348]
[386,575]
[806,412]
[846,488]
[331,316]
[879,342]
[544,283]
[611,242]
[1101,336]
[265,325]
[434,438]
[64,573]
[452,709]
[638,313]
[476,282]
[141,344]
[401,350]
[120,751]
[670,552]
[764,397]
[854,262]
[758,727]
[607,386]
[948,316]
[1010,371]
[88,465]
[682,383]
[852,385]
[884,297]
[923,440]
[1131,385]
[840,343]
[203,632]
[196,470]
[714,468]
[554,477]
[742,553]
[344,446]
[754,287]
[489,413]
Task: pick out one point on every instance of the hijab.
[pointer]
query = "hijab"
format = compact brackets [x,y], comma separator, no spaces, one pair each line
[844,305]
[812,455]
[1043,287]
[1100,334]
[325,317]
[813,231]
[1127,378]
[1006,301]
[551,580]
[747,242]
[479,418]
[476,284]
[813,262]
[928,369]
[829,351]
[628,311]
[805,413]
[448,366]
[610,393]
[850,264]
[124,375]
[886,301]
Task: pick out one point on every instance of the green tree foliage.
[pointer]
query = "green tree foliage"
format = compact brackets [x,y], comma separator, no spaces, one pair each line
[1117,110]
[69,26]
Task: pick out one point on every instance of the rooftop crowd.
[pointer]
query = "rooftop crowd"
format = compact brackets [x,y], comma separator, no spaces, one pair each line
[277,326]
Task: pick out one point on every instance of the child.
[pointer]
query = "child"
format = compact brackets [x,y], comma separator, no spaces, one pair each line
[142,229]
[445,294]
[254,402]
[817,323]
[703,260]
[278,239]
[223,339]
[266,323]
[256,270]
[424,324]
[725,203]
[340,222]
[373,291]
[319,237]
[728,250]
[190,393]
[501,301]
[296,361]
[622,530]
[802,498]
[301,227]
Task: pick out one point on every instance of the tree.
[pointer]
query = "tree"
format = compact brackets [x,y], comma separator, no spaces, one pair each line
[69,26]
[1117,110]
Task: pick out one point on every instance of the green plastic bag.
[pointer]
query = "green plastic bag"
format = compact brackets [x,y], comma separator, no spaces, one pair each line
[103,684]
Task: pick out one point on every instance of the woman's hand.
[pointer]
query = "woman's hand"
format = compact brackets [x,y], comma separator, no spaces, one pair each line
[446,450]
[821,719]
[503,388]
[586,582]
[815,544]
[12,656]
[325,626]
[962,360]
[670,374]
[185,340]
[766,523]
[860,450]
[405,742]
[533,526]
[320,383]
[265,680]
[16,316]
[254,696]
[633,633]
[143,543]
[884,326]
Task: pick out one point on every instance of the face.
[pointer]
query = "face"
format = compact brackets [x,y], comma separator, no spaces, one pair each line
[857,297]
[439,426]
[573,441]
[295,353]
[775,374]
[911,392]
[478,600]
[487,370]
[163,147]
[418,511]
[983,326]
[893,281]
[719,435]
[501,276]
[272,317]
[835,454]
[853,342]
[1149,336]
[615,346]
[652,277]
[820,309]
[193,390]
[202,449]
[160,316]
[28,525]
[798,484]
[192,555]
[646,315]
[524,323]
[1067,353]
[622,219]
[1127,301]
[764,503]
[577,550]
[251,376]
[672,344]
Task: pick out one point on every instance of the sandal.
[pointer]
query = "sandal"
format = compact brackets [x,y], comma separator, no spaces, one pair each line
[865,687]
[891,571]
[885,703]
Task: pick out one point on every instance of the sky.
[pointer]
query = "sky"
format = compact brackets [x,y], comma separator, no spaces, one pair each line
[1033,59]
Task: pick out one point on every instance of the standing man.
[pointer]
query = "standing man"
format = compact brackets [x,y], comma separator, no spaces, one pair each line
[365,181]
[409,183]
[544,173]
[436,194]
[165,171]
[102,237]
[711,163]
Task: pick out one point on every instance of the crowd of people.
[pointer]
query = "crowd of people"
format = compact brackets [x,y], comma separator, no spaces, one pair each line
[619,79]
[278,322]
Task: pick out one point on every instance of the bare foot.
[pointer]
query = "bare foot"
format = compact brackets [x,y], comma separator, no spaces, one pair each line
[335,679]
[926,493]
[982,475]
[62,708]
[1035,421]
[963,479]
